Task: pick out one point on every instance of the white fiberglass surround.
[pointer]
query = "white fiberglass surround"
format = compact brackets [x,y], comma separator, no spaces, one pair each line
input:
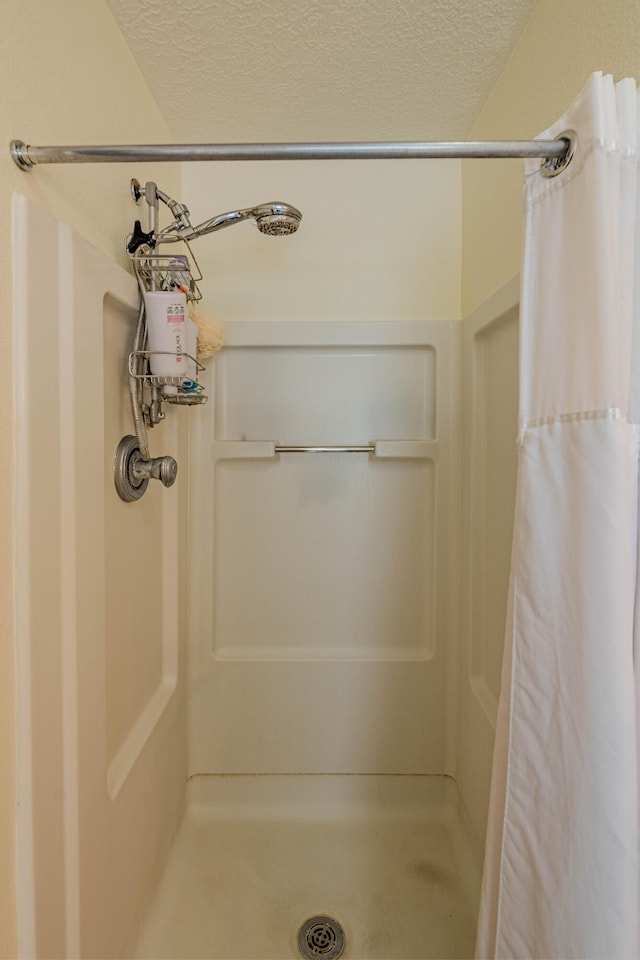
[101,751]
[320,583]
[324,605]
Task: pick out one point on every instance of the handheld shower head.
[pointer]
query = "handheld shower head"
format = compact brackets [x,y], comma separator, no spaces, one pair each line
[274,219]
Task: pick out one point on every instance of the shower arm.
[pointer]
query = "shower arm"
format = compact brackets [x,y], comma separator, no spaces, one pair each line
[182,229]
[554,153]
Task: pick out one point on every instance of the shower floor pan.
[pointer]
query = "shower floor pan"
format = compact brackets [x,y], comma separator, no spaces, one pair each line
[255,857]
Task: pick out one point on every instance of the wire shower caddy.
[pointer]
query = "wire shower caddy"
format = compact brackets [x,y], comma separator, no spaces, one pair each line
[166,273]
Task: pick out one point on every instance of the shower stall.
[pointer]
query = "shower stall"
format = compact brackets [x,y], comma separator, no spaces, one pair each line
[265,696]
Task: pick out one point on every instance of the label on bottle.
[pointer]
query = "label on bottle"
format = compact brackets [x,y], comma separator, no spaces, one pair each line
[175,313]
[166,318]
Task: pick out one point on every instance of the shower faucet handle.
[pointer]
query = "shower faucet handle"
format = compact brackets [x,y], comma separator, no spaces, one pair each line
[131,472]
[164,469]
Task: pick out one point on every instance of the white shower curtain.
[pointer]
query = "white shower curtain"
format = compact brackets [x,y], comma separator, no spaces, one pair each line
[561,869]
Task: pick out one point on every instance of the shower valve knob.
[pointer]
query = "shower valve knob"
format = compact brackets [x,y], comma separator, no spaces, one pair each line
[168,471]
[131,473]
[164,469]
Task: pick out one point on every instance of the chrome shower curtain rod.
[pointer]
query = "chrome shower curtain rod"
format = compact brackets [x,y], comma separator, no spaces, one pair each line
[553,151]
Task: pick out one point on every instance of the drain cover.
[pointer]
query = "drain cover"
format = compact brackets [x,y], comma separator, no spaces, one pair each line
[321,937]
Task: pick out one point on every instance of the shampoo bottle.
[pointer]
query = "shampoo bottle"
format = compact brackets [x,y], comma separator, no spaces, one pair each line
[167,333]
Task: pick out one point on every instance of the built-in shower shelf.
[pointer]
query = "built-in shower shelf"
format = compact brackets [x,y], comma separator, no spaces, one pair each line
[379,449]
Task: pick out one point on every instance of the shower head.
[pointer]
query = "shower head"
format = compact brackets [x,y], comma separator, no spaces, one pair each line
[274,219]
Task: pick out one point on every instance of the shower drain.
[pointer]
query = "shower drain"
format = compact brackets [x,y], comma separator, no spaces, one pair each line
[321,937]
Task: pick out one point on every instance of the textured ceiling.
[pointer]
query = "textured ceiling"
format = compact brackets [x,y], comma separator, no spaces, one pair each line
[270,70]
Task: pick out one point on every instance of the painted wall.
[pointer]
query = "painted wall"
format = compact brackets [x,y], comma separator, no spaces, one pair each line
[378,240]
[67,77]
[563,43]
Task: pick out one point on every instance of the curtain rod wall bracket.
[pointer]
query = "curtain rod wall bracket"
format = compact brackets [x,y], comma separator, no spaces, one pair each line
[552,166]
[551,151]
[20,153]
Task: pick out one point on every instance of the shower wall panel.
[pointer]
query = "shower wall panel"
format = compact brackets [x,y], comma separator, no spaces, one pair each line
[320,581]
[102,758]
[489,464]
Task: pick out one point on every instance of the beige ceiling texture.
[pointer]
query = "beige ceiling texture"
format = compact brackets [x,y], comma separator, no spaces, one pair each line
[276,70]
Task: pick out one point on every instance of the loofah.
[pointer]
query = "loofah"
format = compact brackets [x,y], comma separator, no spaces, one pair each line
[210,332]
